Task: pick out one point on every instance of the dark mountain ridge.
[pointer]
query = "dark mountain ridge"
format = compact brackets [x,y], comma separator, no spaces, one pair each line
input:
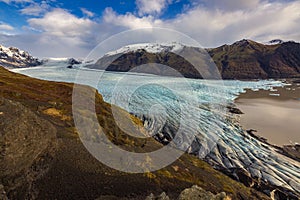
[247,59]
[244,59]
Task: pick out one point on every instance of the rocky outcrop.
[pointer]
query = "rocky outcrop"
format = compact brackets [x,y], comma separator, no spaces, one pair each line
[197,193]
[71,62]
[26,149]
[193,193]
[162,196]
[234,110]
[2,193]
[15,58]
[292,151]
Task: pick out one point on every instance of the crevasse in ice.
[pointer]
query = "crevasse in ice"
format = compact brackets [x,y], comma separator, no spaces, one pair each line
[199,108]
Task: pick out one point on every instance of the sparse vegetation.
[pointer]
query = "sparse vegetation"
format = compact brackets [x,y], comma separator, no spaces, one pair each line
[70,172]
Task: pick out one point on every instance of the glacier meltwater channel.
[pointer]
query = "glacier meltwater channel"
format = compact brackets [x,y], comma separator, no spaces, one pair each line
[230,148]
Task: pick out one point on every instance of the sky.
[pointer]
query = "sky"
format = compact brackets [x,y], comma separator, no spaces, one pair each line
[64,28]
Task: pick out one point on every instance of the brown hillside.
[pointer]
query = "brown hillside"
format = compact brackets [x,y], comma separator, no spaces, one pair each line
[42,157]
[244,59]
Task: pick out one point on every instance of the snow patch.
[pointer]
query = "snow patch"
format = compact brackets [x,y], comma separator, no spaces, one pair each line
[149,47]
[14,57]
[274,42]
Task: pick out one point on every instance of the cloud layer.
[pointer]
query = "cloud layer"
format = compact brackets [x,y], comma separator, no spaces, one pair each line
[151,6]
[211,22]
[215,26]
[15,1]
[5,27]
[35,9]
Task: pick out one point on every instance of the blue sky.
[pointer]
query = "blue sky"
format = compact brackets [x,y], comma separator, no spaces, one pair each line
[61,28]
[21,12]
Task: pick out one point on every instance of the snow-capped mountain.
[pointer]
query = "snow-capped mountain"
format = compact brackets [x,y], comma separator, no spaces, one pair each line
[148,47]
[67,62]
[245,59]
[13,57]
[274,42]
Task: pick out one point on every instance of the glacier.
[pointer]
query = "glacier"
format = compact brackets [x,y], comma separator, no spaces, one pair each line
[165,103]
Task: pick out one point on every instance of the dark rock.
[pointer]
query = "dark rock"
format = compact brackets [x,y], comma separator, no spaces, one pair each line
[292,151]
[72,61]
[276,41]
[27,144]
[108,197]
[162,196]
[234,110]
[197,193]
[252,132]
[244,177]
[193,193]
[278,194]
[2,193]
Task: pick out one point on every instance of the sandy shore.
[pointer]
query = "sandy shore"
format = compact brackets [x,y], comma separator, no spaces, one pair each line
[274,114]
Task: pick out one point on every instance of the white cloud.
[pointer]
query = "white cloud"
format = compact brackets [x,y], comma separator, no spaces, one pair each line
[15,1]
[60,33]
[151,6]
[212,27]
[129,20]
[36,9]
[5,27]
[61,23]
[87,12]
[229,4]
[43,46]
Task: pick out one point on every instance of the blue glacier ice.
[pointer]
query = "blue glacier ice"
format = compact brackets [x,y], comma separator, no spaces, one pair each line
[166,103]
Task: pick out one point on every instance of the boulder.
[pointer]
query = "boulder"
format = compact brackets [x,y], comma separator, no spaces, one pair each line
[197,193]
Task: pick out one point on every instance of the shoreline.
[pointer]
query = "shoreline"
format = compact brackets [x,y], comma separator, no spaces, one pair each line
[272,114]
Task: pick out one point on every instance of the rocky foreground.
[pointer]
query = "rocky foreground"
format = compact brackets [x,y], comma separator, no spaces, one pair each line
[42,157]
[192,193]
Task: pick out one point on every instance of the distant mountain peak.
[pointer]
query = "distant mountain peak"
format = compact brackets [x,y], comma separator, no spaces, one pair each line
[149,47]
[244,59]
[245,42]
[67,62]
[14,57]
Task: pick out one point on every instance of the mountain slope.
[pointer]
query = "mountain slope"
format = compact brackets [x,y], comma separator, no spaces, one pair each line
[13,57]
[28,143]
[164,59]
[134,61]
[244,59]
[247,59]
[68,171]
